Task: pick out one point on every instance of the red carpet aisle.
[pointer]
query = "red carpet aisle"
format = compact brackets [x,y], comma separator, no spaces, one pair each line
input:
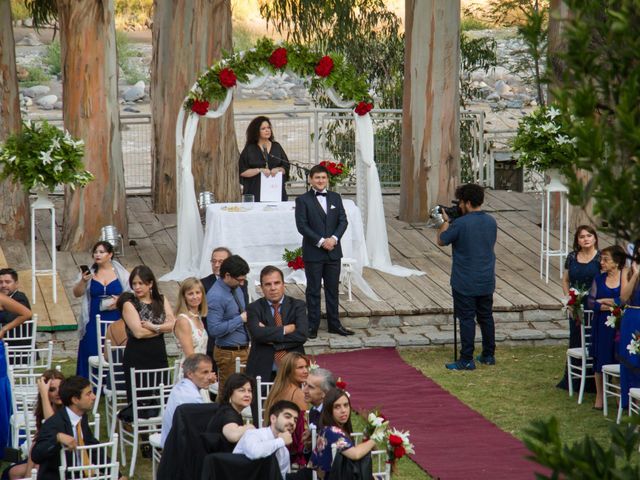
[451,440]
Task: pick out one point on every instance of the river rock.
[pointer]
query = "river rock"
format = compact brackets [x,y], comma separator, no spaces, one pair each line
[502,88]
[47,102]
[29,40]
[36,91]
[134,93]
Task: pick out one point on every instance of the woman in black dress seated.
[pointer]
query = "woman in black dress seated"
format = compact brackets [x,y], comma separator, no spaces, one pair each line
[148,316]
[261,155]
[227,426]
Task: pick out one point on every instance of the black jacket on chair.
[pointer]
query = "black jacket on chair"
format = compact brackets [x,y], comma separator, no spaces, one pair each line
[184,449]
[46,450]
[265,341]
[313,224]
[232,466]
[343,468]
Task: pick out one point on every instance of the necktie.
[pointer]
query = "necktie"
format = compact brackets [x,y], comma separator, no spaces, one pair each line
[314,417]
[277,318]
[321,194]
[237,300]
[86,461]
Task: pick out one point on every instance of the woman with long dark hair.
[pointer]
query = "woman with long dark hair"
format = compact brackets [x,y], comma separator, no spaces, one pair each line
[100,285]
[581,267]
[262,155]
[148,316]
[227,423]
[336,429]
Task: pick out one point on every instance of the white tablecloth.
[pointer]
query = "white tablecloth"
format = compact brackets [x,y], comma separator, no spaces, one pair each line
[262,233]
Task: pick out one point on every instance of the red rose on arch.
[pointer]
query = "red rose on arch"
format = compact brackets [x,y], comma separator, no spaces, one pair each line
[324,66]
[399,452]
[278,58]
[227,78]
[395,440]
[363,108]
[201,107]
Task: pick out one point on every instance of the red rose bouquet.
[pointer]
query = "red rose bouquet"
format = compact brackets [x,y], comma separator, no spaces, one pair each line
[338,172]
[615,317]
[201,107]
[278,58]
[293,258]
[398,445]
[376,427]
[363,108]
[324,66]
[227,78]
[574,303]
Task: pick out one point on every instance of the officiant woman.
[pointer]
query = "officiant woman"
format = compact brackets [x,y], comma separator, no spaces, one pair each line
[261,155]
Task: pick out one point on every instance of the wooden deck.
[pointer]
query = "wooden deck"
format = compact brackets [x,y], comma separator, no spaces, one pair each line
[519,287]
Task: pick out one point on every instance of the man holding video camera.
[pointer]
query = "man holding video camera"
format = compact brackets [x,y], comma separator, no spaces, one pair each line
[472,236]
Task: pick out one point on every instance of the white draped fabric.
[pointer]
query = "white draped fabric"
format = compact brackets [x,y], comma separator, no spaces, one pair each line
[369,193]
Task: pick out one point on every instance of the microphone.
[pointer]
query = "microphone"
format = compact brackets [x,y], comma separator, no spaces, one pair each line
[290,164]
[265,154]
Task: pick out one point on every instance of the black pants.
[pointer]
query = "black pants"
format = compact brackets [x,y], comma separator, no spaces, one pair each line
[467,309]
[316,273]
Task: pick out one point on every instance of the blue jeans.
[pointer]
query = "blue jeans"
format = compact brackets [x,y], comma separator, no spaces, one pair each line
[467,309]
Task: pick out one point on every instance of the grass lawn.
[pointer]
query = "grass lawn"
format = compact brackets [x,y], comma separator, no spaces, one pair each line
[519,389]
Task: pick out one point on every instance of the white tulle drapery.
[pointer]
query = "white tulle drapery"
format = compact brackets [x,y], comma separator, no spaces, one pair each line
[369,195]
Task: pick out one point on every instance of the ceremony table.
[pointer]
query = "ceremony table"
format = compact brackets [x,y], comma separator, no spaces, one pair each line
[259,232]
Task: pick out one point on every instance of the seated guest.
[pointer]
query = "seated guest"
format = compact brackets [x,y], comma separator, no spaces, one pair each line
[47,405]
[275,438]
[9,286]
[68,427]
[227,423]
[277,324]
[337,429]
[604,296]
[292,374]
[13,312]
[219,255]
[227,317]
[198,375]
[318,383]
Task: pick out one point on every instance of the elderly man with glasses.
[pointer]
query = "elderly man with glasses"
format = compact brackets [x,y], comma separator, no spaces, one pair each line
[227,317]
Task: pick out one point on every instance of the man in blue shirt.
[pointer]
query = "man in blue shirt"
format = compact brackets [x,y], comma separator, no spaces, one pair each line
[227,317]
[472,237]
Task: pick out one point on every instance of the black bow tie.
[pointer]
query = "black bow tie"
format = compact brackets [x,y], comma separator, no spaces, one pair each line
[321,194]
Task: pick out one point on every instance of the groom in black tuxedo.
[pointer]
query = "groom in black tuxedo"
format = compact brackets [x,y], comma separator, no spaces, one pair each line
[321,220]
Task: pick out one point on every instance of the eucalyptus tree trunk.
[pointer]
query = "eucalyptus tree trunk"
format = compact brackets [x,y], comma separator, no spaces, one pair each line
[430,162]
[188,37]
[14,209]
[91,112]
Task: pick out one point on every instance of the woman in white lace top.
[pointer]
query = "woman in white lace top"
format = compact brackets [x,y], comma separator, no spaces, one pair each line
[192,308]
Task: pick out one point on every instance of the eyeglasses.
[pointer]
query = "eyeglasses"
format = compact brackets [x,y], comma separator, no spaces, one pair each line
[241,278]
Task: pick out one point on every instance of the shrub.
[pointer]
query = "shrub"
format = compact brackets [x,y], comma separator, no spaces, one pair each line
[52,58]
[37,76]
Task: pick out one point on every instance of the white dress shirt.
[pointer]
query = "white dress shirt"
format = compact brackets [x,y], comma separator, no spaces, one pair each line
[322,200]
[261,443]
[185,391]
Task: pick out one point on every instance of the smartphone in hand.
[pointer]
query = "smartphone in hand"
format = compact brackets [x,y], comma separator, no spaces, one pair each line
[84,269]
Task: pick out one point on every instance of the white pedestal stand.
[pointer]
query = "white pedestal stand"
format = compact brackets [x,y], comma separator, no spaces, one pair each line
[554,186]
[43,203]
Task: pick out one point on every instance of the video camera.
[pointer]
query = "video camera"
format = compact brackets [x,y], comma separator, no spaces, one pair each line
[452,212]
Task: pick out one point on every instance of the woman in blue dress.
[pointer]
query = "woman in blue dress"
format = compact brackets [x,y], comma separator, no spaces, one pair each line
[581,267]
[100,285]
[630,363]
[603,298]
[336,430]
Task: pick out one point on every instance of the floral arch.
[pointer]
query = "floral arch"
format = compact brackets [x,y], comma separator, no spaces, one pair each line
[343,86]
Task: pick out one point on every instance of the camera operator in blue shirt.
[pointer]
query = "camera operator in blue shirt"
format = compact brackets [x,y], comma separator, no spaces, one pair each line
[472,236]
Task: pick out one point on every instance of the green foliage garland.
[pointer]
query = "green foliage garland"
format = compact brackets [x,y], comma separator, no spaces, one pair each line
[301,60]
[42,155]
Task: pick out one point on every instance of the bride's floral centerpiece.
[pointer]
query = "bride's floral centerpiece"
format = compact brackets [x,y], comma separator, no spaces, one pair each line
[338,172]
[42,156]
[543,141]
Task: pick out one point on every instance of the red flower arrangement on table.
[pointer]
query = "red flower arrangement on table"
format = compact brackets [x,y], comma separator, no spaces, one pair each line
[293,258]
[338,172]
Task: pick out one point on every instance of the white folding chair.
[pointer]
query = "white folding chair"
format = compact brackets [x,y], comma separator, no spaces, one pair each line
[611,389]
[634,401]
[24,396]
[103,464]
[98,363]
[115,392]
[27,406]
[263,389]
[580,368]
[30,360]
[24,335]
[240,366]
[34,475]
[156,453]
[150,391]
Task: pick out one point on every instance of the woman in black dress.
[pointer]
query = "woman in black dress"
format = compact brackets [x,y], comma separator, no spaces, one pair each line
[227,426]
[262,155]
[148,316]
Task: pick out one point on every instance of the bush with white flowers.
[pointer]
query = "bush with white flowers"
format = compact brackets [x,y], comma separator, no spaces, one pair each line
[42,156]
